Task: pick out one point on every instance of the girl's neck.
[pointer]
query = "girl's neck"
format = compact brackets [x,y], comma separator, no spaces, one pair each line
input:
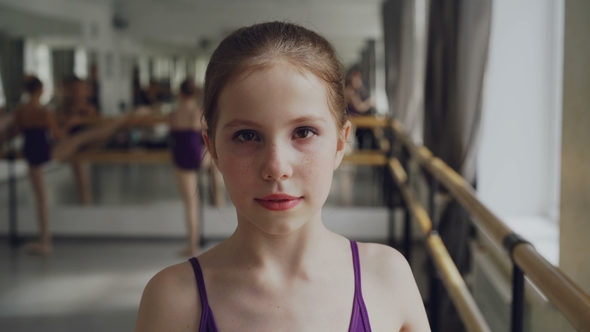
[298,251]
[35,102]
[78,103]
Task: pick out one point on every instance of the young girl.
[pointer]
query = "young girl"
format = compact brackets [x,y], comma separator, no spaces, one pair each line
[39,128]
[187,152]
[275,112]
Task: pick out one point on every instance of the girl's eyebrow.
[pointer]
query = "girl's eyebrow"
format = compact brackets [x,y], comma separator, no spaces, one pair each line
[238,123]
[248,123]
[307,119]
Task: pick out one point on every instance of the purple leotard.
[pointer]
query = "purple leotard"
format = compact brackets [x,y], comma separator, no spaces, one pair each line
[187,149]
[359,322]
[37,148]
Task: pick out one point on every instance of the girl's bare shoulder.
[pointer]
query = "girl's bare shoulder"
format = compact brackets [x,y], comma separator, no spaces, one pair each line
[175,276]
[389,287]
[383,263]
[170,301]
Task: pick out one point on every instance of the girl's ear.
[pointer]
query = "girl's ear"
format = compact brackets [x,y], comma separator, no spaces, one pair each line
[342,141]
[210,147]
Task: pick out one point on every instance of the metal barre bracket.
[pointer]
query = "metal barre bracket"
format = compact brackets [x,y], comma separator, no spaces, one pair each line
[512,240]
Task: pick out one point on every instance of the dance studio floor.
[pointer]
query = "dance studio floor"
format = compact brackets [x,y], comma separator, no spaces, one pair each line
[83,286]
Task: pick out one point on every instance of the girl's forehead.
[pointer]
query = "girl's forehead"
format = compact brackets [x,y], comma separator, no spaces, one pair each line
[272,91]
[269,81]
[273,71]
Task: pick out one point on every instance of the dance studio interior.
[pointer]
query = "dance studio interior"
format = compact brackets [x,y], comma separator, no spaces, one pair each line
[468,153]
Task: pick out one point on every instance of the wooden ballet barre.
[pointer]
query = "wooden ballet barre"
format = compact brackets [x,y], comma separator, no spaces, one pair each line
[368,121]
[138,121]
[366,158]
[164,156]
[155,156]
[420,215]
[358,121]
[5,154]
[562,292]
[382,141]
[470,314]
[571,300]
[567,296]
[459,293]
[112,156]
[151,120]
[124,156]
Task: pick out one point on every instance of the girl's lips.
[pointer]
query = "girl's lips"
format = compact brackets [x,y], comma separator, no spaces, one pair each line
[278,202]
[277,197]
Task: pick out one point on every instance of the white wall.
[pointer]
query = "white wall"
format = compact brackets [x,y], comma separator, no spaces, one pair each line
[517,175]
[518,168]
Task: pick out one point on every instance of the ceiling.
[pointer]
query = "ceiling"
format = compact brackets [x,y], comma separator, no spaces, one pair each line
[348,24]
[19,23]
[196,26]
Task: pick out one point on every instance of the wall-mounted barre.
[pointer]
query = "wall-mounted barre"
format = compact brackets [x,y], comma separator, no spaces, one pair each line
[559,289]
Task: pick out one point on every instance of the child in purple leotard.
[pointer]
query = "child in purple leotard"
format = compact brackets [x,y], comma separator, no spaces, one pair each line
[276,128]
[39,128]
[45,141]
[187,154]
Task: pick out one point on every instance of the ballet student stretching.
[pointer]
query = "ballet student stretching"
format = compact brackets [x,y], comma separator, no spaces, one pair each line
[44,141]
[187,153]
[39,128]
[276,127]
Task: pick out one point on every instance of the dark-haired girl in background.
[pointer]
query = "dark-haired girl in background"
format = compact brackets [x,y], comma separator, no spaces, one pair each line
[187,152]
[38,127]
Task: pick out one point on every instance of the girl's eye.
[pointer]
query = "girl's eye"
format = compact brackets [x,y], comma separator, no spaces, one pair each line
[304,133]
[245,136]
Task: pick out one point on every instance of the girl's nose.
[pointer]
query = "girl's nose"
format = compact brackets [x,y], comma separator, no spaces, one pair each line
[276,165]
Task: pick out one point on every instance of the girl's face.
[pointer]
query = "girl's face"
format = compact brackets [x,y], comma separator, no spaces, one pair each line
[276,144]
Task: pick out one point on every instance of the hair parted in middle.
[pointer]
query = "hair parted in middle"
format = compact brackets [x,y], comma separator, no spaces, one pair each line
[265,44]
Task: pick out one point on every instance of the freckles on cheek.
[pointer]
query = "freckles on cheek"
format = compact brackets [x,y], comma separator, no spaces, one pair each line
[316,166]
[243,168]
[319,157]
[230,160]
[309,164]
[237,172]
[316,174]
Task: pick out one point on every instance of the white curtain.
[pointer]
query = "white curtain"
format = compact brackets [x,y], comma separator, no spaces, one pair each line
[392,12]
[406,25]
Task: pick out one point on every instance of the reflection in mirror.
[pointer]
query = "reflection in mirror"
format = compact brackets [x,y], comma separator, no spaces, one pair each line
[95,70]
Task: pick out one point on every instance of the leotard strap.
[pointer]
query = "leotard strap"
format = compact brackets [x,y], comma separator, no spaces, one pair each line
[359,321]
[207,320]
